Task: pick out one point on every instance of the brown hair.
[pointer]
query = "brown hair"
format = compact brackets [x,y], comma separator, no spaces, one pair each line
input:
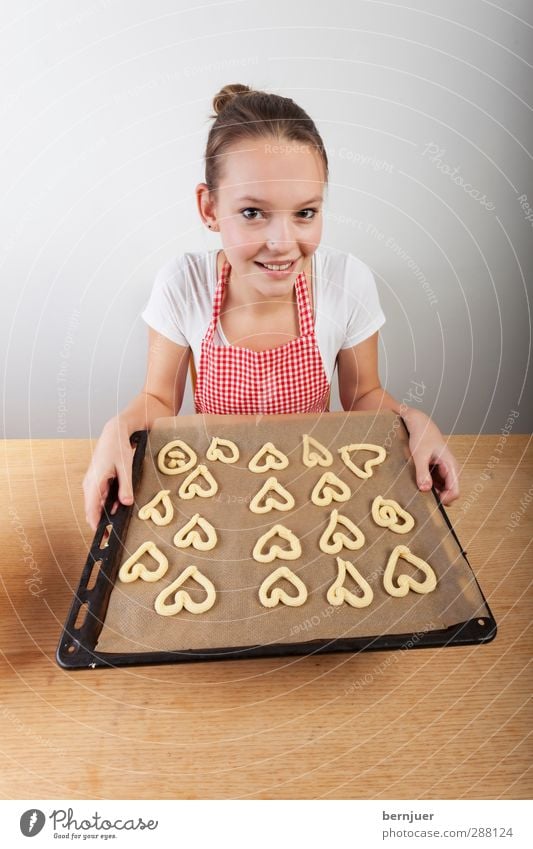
[242,112]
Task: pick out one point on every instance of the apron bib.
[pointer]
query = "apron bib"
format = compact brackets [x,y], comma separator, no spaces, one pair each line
[238,381]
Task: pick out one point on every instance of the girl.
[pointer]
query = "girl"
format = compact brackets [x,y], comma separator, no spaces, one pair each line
[268,317]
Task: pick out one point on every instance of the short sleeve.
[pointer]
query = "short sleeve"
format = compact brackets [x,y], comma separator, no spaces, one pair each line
[165,310]
[363,308]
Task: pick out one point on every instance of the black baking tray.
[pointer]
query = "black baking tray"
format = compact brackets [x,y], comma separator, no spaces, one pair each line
[85,619]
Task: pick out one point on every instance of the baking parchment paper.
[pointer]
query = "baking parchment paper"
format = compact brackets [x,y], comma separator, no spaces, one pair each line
[237,618]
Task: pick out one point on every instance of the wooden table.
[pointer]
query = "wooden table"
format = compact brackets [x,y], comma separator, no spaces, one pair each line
[444,723]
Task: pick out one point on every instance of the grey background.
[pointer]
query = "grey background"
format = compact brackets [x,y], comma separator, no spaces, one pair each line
[104,109]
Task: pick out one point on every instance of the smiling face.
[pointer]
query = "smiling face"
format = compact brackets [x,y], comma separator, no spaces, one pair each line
[268,209]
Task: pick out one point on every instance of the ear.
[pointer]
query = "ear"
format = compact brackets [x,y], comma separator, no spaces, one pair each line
[206,205]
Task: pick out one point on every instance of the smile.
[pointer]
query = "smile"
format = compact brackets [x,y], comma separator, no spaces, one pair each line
[270,266]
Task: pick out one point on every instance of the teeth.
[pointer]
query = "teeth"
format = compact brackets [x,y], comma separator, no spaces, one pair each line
[277,267]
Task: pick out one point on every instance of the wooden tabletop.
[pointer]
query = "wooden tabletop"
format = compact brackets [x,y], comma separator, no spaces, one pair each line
[421,724]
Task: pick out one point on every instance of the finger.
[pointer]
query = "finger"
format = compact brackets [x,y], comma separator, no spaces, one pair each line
[448,485]
[92,515]
[423,475]
[114,508]
[95,497]
[125,490]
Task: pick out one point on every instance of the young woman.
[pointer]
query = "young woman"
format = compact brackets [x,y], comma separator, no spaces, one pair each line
[269,316]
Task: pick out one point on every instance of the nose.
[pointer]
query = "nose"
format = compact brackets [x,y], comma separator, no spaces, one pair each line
[279,236]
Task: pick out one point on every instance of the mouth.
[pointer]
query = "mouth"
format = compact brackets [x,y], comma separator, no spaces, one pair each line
[277,268]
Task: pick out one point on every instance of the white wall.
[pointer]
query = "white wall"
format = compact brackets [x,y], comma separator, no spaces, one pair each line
[104,112]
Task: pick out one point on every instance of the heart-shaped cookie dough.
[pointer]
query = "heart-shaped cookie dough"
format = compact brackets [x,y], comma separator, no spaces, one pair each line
[329,488]
[182,598]
[333,540]
[405,582]
[190,486]
[272,459]
[187,535]
[132,568]
[387,513]
[175,458]
[338,593]
[284,502]
[270,598]
[367,471]
[149,510]
[314,453]
[215,452]
[275,550]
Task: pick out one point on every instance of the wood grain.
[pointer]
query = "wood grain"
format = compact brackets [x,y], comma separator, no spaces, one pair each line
[445,723]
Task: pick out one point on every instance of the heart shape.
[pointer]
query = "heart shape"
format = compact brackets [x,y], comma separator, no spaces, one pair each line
[132,568]
[149,510]
[272,485]
[338,594]
[175,458]
[386,513]
[188,536]
[367,471]
[189,487]
[182,598]
[314,453]
[276,551]
[214,452]
[332,541]
[405,582]
[278,593]
[273,459]
[325,490]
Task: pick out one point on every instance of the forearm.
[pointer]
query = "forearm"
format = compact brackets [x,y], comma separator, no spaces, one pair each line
[141,413]
[380,399]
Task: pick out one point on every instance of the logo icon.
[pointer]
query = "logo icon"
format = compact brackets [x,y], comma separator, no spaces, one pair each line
[32,822]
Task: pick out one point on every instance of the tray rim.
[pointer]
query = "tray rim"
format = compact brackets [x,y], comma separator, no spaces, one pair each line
[76,646]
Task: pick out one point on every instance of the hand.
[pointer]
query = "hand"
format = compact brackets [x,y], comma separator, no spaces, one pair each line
[112,458]
[432,457]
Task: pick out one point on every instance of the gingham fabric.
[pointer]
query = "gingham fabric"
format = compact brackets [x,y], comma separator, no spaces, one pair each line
[238,381]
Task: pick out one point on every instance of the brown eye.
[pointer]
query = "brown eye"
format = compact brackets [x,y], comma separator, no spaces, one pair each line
[251,209]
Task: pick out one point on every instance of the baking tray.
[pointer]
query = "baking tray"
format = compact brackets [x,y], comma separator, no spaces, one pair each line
[85,619]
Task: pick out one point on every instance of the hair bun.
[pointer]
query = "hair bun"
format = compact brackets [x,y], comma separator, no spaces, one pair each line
[227,93]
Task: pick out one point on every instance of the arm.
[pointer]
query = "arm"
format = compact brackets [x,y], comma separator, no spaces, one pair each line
[161,395]
[360,389]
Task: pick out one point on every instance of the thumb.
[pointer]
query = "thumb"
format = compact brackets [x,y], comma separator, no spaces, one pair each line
[125,491]
[423,477]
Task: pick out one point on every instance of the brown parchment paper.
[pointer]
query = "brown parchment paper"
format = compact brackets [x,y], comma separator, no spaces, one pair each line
[237,618]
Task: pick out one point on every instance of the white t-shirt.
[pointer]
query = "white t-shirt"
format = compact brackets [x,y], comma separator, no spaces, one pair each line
[346,302]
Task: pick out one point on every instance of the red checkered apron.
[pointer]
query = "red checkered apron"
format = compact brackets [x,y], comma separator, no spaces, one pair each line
[238,381]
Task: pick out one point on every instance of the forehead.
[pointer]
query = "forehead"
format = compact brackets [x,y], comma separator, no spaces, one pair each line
[272,169]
